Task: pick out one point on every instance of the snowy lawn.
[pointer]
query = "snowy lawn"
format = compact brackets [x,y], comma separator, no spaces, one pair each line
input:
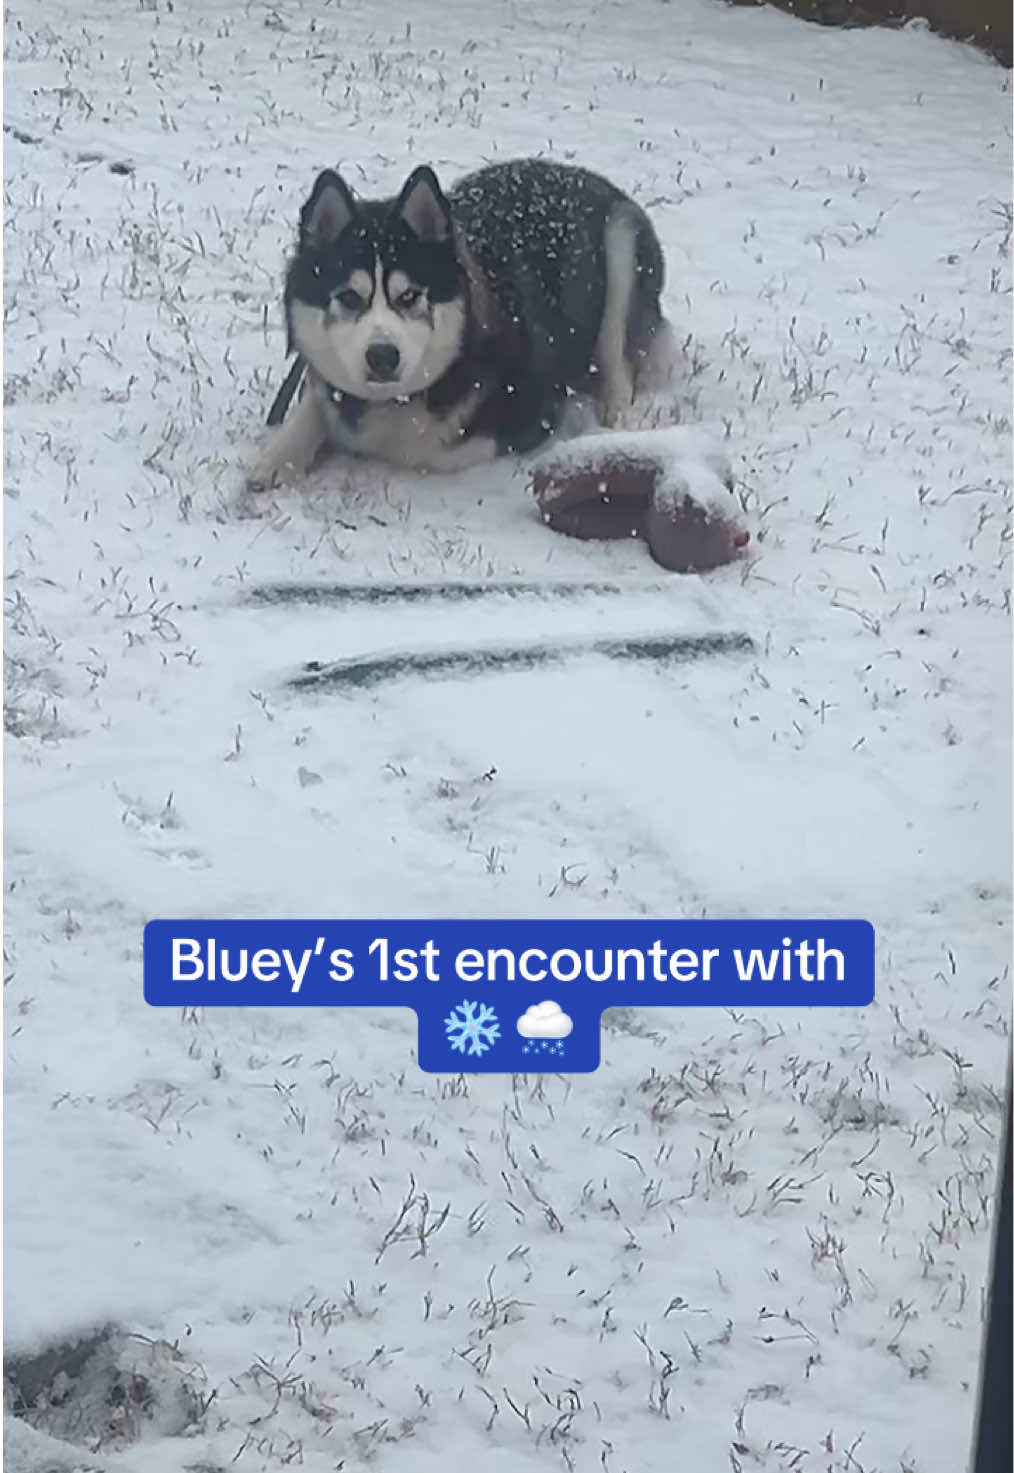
[750,1241]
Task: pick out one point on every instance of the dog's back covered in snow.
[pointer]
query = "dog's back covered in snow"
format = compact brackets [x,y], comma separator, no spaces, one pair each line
[439,331]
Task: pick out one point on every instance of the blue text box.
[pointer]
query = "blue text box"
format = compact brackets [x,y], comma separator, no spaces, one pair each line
[509,996]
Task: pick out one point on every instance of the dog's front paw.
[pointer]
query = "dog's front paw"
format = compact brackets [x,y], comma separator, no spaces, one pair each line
[260,475]
[291,449]
[268,472]
[615,401]
[258,481]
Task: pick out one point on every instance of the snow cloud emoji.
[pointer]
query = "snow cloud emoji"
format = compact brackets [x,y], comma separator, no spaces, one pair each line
[545,1020]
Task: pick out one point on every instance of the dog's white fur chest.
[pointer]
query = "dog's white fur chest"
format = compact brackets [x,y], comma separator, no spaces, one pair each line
[406,434]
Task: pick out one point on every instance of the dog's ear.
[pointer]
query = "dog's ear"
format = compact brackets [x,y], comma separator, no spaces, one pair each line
[423,207]
[330,209]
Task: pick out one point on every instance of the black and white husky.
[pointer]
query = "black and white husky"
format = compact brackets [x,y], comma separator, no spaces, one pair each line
[437,331]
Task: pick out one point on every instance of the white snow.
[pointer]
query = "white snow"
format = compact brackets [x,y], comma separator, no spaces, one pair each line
[754,1241]
[692,465]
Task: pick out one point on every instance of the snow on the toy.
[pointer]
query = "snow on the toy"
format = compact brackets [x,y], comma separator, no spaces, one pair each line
[673,487]
[673,445]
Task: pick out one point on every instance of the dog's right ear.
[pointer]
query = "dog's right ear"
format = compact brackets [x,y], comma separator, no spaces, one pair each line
[330,209]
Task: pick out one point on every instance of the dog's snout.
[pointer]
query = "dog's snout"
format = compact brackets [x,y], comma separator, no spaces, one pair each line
[382,360]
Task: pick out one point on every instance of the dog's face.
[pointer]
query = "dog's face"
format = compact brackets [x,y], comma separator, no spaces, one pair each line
[375,297]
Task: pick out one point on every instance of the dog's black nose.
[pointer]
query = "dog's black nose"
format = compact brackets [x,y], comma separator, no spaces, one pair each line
[382,360]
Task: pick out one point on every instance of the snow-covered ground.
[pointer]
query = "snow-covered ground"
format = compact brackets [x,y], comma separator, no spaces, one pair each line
[754,1241]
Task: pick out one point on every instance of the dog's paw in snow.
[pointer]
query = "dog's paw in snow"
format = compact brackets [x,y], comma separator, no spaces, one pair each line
[291,449]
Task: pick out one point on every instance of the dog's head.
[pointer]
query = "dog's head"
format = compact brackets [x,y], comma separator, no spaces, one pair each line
[375,297]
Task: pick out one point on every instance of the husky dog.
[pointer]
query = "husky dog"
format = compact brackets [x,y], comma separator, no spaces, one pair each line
[438,331]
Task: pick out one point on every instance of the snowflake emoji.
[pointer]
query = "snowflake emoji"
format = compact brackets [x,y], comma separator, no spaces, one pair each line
[472,1028]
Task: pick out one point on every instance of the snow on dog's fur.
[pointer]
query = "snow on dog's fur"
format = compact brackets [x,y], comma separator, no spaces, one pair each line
[439,331]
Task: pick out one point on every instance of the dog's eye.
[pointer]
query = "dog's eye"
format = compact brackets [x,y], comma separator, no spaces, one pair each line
[407,299]
[350,300]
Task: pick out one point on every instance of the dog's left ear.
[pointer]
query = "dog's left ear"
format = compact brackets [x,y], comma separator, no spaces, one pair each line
[423,207]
